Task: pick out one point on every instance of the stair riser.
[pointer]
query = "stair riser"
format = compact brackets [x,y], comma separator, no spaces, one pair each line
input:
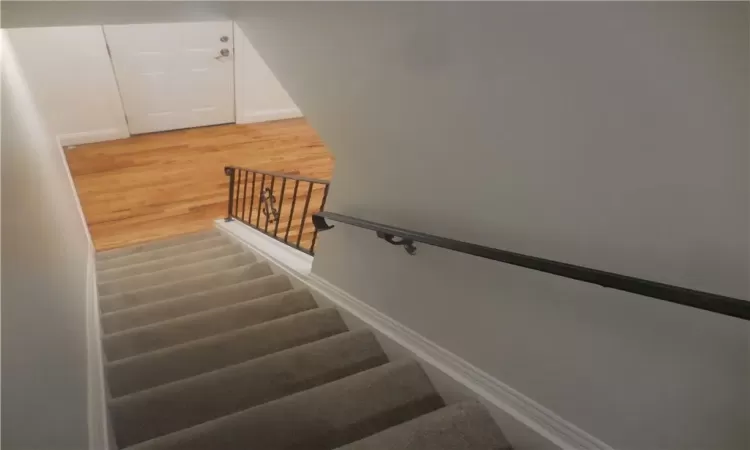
[176,261]
[174,274]
[210,323]
[206,282]
[190,304]
[156,368]
[156,245]
[159,411]
[155,255]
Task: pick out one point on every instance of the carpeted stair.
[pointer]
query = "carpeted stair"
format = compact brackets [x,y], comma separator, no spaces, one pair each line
[207,348]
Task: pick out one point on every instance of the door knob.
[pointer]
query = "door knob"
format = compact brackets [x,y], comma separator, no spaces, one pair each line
[224,52]
[224,38]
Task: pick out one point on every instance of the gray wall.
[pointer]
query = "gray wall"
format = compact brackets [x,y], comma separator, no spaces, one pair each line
[607,135]
[45,251]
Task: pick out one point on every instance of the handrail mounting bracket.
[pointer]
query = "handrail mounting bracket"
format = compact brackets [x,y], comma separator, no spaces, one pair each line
[391,239]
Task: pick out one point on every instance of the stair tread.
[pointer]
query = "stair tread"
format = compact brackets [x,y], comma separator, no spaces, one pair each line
[174,274]
[157,254]
[147,370]
[207,348]
[319,418]
[461,426]
[179,288]
[118,273]
[206,323]
[171,407]
[156,244]
[171,308]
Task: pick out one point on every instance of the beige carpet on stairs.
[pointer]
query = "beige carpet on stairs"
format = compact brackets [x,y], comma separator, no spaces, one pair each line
[207,349]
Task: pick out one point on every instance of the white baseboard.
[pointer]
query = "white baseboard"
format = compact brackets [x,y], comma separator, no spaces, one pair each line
[99,437]
[563,434]
[268,247]
[518,411]
[268,115]
[87,137]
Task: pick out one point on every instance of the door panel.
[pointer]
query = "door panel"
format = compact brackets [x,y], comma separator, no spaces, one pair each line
[172,76]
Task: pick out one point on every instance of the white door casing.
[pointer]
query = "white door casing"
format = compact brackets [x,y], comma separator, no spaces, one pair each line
[172,75]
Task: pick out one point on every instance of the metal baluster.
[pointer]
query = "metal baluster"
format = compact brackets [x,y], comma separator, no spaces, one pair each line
[260,200]
[291,213]
[244,197]
[252,202]
[322,205]
[230,172]
[304,213]
[281,205]
[270,205]
[237,195]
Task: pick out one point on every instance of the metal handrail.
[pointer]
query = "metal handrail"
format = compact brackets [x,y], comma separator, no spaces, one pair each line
[728,306]
[278,174]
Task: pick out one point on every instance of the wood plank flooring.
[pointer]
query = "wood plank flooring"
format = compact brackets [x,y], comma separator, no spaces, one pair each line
[160,185]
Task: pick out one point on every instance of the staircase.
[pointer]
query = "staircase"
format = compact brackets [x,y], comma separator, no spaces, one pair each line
[207,348]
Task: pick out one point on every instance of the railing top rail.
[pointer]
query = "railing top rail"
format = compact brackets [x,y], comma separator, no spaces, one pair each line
[720,304]
[278,174]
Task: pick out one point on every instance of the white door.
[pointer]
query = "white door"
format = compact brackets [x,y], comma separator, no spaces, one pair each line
[174,75]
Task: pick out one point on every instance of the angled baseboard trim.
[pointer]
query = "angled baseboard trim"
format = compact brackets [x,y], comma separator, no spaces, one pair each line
[99,433]
[489,389]
[538,418]
[98,414]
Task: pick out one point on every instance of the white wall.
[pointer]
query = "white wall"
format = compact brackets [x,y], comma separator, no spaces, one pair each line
[608,135]
[70,73]
[259,95]
[47,261]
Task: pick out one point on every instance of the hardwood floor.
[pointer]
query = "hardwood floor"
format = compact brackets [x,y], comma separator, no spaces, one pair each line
[165,184]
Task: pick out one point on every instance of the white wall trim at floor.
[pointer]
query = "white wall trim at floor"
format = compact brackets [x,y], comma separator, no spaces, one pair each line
[268,115]
[86,137]
[268,247]
[536,417]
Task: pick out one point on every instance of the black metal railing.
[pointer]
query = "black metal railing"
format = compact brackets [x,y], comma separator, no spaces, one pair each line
[720,304]
[277,204]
